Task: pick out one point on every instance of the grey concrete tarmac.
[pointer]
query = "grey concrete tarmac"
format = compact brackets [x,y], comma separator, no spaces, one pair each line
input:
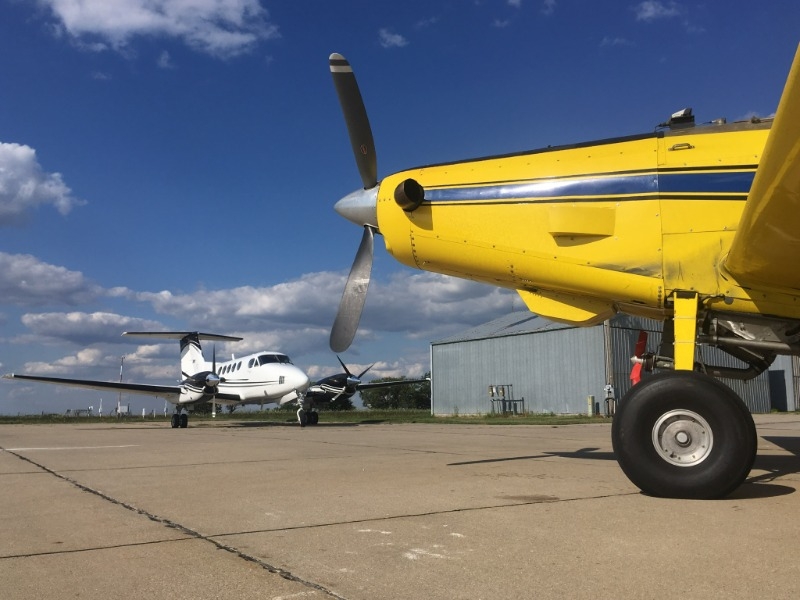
[235,510]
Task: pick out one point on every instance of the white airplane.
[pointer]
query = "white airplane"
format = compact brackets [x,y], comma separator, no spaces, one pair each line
[259,378]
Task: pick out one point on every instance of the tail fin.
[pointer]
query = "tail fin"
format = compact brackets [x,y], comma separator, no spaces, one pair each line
[192,360]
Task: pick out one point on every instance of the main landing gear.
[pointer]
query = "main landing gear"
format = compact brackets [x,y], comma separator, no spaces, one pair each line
[683,434]
[180,420]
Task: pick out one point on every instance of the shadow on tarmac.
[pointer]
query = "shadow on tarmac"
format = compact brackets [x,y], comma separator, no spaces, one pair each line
[775,467]
[755,487]
[291,423]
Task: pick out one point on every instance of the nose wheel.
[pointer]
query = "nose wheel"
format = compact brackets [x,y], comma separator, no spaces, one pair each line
[307,417]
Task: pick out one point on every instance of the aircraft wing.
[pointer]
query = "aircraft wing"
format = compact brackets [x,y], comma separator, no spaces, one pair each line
[168,392]
[767,242]
[380,384]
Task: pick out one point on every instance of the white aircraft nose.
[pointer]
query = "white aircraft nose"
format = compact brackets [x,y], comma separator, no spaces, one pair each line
[360,207]
[298,380]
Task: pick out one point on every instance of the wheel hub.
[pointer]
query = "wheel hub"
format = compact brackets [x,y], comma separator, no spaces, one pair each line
[682,438]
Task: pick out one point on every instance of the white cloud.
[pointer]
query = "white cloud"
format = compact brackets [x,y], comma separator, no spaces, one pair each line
[165,61]
[88,357]
[294,317]
[221,28]
[300,312]
[86,328]
[429,306]
[27,281]
[615,41]
[389,39]
[652,10]
[310,300]
[548,7]
[515,3]
[24,185]
[427,22]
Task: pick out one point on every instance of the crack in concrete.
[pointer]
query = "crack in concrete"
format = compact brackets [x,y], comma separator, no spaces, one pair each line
[190,533]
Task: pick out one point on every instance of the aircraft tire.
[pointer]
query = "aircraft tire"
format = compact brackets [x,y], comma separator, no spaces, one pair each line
[313,418]
[175,421]
[682,434]
[184,421]
[302,417]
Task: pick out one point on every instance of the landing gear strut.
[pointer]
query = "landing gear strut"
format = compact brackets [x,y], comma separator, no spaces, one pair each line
[307,416]
[683,434]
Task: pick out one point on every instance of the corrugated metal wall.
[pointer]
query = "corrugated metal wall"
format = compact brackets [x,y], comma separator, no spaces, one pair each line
[555,371]
[625,331]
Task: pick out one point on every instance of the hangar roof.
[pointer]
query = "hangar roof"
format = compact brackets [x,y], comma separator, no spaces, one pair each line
[522,322]
[515,323]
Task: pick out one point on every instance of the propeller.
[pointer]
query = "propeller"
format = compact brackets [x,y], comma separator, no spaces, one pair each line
[359,207]
[352,380]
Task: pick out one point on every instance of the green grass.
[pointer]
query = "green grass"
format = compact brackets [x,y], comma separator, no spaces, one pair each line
[361,417]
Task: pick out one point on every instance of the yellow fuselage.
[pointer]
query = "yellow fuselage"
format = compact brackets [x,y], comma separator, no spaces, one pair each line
[583,231]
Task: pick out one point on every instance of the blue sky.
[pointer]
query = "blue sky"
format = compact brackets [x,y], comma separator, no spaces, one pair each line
[173,164]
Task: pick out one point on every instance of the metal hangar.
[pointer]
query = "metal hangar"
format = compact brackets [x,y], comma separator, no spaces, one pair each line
[523,362]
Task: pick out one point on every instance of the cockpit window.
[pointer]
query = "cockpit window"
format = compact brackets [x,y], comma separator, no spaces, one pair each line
[274,358]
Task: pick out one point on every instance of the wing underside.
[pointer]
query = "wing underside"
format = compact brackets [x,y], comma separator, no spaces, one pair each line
[767,242]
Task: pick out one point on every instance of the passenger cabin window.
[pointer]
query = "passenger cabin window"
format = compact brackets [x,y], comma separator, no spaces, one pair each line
[251,363]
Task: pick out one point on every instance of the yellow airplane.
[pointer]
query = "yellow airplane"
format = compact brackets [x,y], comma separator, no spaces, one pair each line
[698,226]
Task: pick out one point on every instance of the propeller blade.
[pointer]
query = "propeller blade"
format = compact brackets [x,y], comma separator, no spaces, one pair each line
[344,366]
[355,116]
[355,294]
[364,372]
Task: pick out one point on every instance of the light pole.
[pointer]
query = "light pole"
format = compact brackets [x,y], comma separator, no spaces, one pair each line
[119,400]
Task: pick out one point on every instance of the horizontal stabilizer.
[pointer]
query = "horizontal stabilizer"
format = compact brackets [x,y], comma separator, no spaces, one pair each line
[768,238]
[179,335]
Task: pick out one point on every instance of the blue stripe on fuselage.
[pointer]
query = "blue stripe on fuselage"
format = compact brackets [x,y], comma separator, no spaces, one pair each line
[622,185]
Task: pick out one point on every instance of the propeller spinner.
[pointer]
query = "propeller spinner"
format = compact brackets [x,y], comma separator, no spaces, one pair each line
[358,207]
[353,381]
